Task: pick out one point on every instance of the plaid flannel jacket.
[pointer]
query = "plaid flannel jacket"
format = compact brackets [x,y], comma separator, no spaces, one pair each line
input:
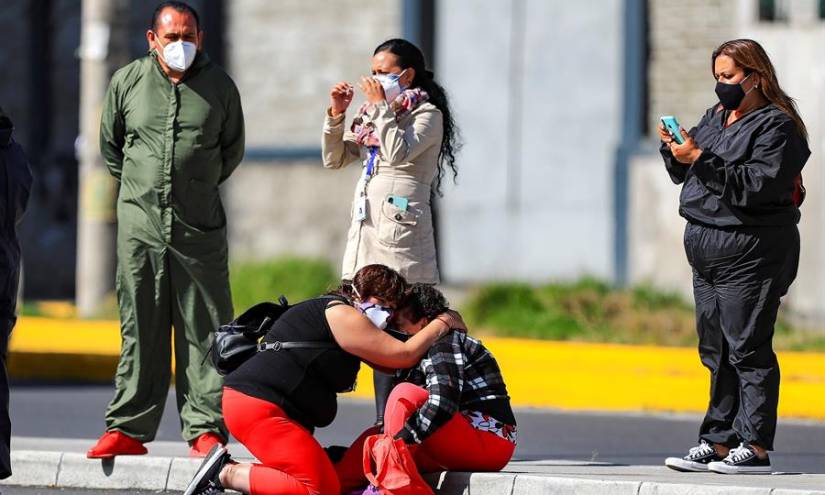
[458,372]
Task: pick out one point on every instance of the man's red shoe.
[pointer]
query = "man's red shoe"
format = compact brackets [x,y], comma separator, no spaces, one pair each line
[204,443]
[114,443]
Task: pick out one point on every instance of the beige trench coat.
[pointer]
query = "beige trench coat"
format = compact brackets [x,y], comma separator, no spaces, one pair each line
[406,167]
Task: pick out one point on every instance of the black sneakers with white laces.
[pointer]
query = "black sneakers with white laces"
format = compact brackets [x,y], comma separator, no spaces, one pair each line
[696,460]
[741,460]
[207,479]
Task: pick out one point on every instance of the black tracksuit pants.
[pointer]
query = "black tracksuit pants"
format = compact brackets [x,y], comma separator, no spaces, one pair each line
[739,276]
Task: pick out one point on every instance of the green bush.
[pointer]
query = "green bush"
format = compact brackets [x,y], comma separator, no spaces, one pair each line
[592,310]
[587,309]
[296,278]
[518,310]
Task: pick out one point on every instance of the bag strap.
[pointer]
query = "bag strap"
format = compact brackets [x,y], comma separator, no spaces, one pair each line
[309,344]
[368,458]
[278,345]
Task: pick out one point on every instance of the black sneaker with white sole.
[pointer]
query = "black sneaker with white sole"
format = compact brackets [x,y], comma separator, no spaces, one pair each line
[696,460]
[742,460]
[206,480]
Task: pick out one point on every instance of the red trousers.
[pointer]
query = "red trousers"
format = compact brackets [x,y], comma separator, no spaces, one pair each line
[291,460]
[456,446]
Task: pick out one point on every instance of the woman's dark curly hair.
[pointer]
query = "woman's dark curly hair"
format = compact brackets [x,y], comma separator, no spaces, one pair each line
[409,55]
[423,301]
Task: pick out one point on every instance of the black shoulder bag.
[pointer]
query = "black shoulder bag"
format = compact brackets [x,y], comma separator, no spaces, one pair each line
[240,339]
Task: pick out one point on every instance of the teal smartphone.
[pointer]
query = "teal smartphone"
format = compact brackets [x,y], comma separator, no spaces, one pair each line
[672,126]
[399,201]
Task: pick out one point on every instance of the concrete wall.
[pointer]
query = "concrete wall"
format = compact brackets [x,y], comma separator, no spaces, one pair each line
[536,91]
[682,37]
[293,208]
[655,250]
[284,57]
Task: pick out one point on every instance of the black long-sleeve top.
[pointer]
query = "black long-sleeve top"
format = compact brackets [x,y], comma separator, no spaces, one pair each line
[745,174]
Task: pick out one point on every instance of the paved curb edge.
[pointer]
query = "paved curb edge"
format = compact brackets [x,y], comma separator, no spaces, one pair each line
[171,474]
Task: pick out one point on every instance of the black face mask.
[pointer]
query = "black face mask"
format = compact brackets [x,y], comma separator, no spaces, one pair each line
[731,95]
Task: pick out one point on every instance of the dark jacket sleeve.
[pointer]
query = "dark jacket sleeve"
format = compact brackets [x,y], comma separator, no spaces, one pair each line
[766,178]
[444,372]
[232,135]
[676,170]
[24,185]
[112,130]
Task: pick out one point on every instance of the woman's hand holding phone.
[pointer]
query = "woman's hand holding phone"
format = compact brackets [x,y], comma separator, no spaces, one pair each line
[664,134]
[687,152]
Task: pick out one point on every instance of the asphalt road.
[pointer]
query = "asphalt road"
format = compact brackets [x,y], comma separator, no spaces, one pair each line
[77,412]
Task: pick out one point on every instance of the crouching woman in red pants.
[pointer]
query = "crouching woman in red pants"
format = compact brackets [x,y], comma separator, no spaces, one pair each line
[274,400]
[453,408]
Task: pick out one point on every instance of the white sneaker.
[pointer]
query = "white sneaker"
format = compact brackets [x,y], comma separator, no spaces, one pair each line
[696,460]
[742,460]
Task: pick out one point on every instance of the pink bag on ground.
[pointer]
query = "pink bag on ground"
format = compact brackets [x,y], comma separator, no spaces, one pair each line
[389,466]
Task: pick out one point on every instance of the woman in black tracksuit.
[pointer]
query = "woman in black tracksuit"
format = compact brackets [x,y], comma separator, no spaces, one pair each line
[740,170]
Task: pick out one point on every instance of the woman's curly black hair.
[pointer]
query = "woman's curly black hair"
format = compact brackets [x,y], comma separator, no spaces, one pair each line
[423,301]
[409,55]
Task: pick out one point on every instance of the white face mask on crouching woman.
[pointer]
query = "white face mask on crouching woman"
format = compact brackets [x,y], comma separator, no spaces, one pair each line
[377,314]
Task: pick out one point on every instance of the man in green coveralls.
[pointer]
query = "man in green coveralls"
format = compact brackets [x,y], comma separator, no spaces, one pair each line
[171,132]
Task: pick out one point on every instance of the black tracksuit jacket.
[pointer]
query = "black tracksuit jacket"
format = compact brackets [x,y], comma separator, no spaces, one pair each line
[745,175]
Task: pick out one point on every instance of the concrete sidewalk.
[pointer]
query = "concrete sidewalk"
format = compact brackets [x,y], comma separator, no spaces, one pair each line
[61,463]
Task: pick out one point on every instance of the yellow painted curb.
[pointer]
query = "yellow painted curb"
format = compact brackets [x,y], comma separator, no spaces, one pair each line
[565,375]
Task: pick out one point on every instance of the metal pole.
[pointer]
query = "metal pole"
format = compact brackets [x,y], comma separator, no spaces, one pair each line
[633,122]
[100,52]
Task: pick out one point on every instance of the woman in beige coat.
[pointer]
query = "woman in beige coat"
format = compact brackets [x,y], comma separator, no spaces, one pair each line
[404,137]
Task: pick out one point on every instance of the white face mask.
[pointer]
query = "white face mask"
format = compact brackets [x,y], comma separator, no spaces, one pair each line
[377,314]
[179,55]
[392,88]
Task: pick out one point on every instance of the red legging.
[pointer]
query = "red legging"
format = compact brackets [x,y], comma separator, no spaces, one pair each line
[292,461]
[456,446]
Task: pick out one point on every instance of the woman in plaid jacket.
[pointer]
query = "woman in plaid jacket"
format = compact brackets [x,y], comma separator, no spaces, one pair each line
[452,409]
